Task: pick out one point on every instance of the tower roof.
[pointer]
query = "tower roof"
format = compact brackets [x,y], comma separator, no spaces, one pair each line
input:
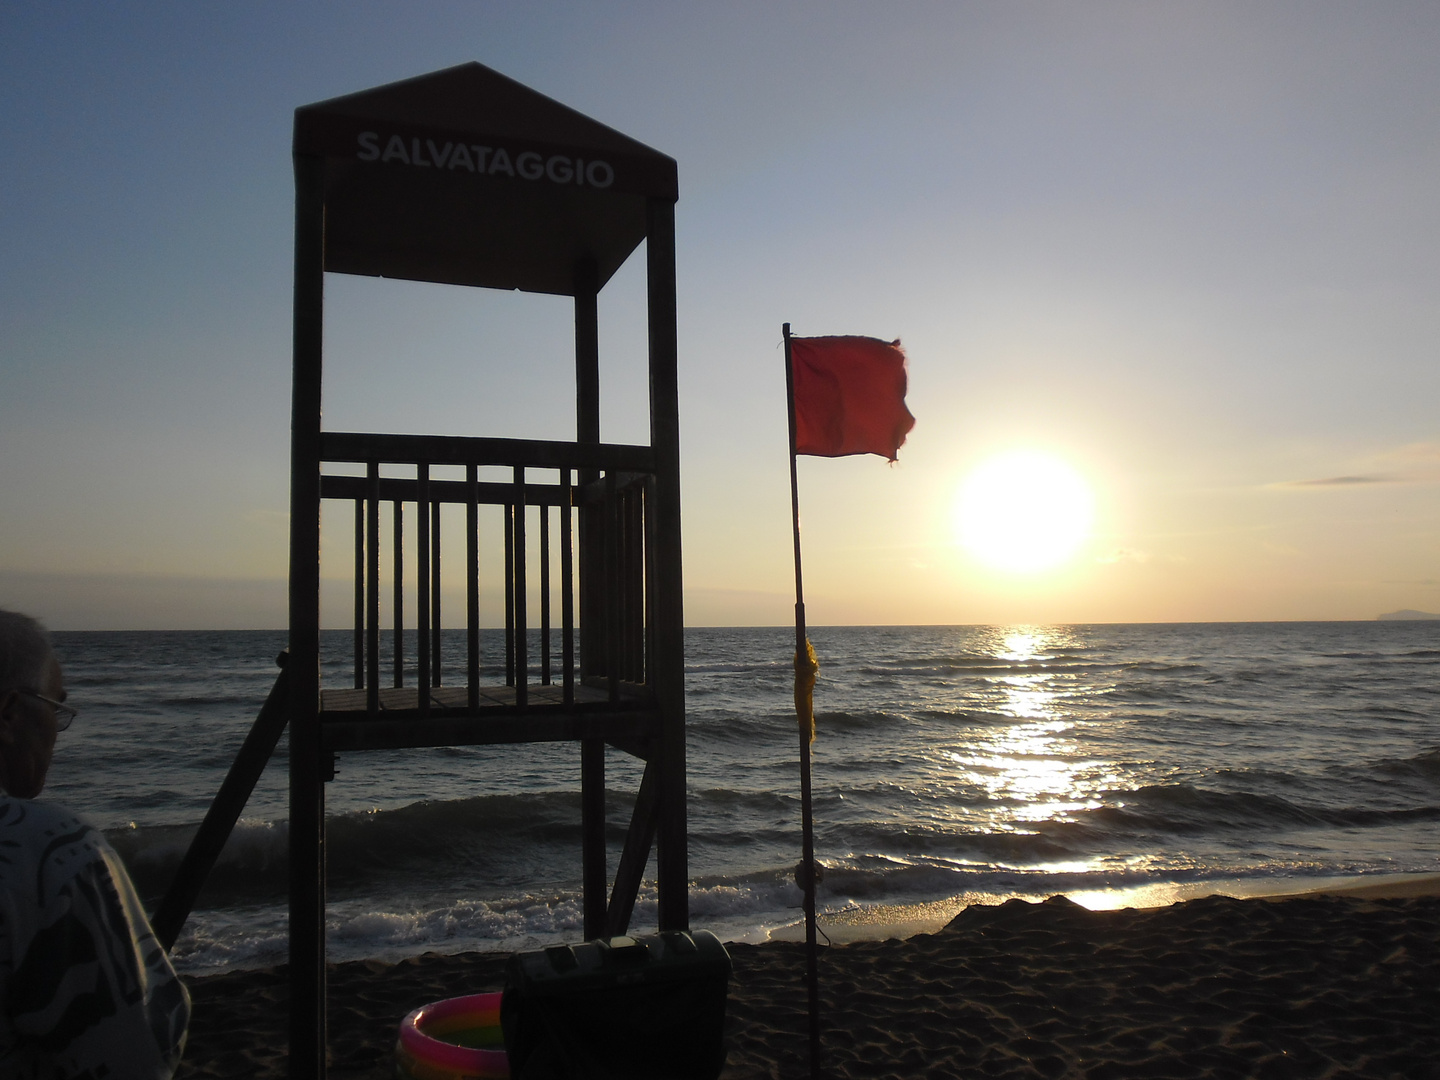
[466,177]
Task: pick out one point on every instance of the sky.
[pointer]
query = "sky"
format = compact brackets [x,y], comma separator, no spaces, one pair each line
[1192,252]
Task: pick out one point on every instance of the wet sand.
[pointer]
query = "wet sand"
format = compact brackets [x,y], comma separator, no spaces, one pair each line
[1323,985]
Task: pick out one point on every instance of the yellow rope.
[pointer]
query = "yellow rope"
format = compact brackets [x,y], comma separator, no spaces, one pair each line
[805,669]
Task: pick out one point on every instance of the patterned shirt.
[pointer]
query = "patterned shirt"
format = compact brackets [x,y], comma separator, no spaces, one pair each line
[87,992]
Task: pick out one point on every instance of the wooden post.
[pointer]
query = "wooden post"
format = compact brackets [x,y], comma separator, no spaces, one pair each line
[587,354]
[671,857]
[594,872]
[587,432]
[807,824]
[307,788]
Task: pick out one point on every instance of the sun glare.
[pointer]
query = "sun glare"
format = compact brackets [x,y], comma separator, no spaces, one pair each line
[1024,511]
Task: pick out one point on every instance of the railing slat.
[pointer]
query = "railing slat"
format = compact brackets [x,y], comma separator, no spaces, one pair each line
[635,587]
[422,586]
[397,588]
[372,620]
[359,593]
[434,594]
[521,662]
[508,527]
[472,587]
[545,595]
[611,521]
[647,492]
[567,590]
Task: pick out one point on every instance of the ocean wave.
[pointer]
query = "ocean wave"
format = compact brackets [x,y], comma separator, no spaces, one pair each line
[727,725]
[944,763]
[497,842]
[252,865]
[1161,667]
[877,839]
[492,841]
[751,667]
[736,907]
[397,926]
[1424,765]
[1391,712]
[964,716]
[245,701]
[984,665]
[425,840]
[385,929]
[1182,809]
[866,720]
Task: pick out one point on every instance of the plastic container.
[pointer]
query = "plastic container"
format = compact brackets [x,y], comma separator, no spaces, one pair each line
[639,1008]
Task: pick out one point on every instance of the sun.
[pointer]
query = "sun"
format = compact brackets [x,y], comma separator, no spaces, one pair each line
[1024,511]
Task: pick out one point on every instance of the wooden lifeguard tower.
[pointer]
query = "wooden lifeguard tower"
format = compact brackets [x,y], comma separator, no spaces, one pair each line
[465,177]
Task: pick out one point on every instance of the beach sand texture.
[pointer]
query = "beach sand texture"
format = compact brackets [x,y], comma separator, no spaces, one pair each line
[1318,986]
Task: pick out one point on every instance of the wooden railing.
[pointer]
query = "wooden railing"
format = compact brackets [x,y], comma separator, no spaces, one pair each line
[595,494]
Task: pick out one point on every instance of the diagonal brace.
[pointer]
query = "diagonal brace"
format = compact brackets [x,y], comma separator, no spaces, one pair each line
[638,842]
[220,819]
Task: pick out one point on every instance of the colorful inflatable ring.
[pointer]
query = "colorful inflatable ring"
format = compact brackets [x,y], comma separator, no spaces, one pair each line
[429,1050]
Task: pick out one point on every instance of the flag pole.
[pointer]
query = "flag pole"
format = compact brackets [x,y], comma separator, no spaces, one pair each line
[807,822]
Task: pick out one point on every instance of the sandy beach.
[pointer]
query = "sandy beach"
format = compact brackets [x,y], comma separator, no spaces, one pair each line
[1316,985]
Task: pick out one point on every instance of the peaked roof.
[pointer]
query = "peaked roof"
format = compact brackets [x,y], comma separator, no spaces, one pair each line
[467,177]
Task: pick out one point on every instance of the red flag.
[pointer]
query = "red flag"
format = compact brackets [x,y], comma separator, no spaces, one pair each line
[849,396]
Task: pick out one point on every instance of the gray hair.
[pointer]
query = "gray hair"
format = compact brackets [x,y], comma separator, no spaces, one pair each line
[24,651]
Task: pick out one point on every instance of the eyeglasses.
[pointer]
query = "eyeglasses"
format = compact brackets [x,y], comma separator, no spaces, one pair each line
[63,713]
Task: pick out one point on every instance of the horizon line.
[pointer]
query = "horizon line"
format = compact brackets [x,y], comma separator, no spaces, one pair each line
[1419,616]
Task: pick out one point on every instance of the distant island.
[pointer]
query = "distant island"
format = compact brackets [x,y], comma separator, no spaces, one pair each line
[1407,614]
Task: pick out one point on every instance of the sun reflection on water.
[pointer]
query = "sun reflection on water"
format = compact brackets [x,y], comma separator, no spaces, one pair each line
[1022,645]
[1032,770]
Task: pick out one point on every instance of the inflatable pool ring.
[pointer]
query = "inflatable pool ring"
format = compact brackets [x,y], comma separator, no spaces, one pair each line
[456,1039]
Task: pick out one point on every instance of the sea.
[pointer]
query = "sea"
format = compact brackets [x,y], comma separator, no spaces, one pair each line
[952,764]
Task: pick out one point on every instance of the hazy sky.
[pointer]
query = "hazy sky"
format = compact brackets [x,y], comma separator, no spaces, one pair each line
[1192,250]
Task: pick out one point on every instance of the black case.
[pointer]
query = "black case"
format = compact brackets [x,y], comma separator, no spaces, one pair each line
[648,1008]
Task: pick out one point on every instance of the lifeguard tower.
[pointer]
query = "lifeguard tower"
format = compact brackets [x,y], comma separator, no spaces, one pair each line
[465,177]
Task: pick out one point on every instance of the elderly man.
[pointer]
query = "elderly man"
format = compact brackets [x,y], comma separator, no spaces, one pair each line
[85,989]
